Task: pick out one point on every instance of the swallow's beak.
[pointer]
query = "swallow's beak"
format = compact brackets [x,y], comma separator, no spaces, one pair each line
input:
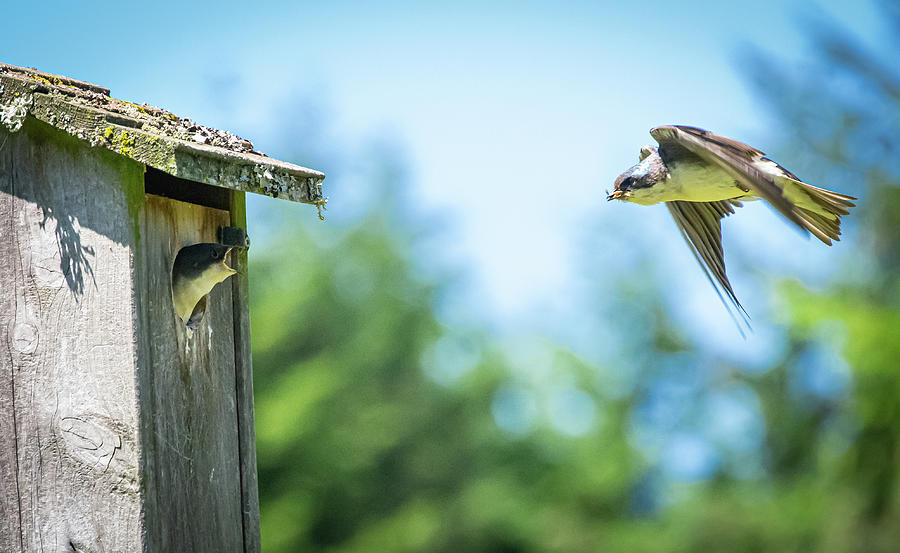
[616,195]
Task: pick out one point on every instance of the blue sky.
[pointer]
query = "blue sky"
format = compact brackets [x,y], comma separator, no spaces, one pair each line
[514,117]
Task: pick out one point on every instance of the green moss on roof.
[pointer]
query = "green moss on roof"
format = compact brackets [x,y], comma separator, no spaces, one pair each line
[150,135]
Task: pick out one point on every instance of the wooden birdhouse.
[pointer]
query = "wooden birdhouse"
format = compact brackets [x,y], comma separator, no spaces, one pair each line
[121,429]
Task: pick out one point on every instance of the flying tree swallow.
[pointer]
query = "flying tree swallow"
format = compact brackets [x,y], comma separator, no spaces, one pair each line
[702,177]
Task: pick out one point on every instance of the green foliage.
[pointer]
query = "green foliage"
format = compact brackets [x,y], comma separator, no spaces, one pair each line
[360,451]
[363,447]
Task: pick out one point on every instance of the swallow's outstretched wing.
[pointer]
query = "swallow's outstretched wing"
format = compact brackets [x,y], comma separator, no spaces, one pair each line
[700,226]
[812,209]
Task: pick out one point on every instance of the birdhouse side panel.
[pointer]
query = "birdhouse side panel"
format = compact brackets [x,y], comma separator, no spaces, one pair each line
[240,291]
[68,412]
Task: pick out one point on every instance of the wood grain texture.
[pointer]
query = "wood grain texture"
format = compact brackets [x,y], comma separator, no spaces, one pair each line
[118,430]
[244,384]
[190,457]
[69,474]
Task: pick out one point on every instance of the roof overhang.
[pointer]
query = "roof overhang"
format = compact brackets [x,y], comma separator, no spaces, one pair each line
[152,136]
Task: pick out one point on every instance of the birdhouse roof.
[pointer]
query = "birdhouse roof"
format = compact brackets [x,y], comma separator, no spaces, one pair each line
[150,135]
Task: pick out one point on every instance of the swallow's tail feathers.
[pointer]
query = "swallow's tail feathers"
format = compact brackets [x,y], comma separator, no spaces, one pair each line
[818,210]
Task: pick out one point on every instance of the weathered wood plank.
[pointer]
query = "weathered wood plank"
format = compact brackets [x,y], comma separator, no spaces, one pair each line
[244,384]
[189,420]
[10,512]
[68,416]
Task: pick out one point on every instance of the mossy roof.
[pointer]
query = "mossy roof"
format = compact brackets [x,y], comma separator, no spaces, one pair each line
[150,135]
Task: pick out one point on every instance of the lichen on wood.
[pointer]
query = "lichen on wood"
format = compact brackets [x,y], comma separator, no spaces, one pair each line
[152,136]
[14,110]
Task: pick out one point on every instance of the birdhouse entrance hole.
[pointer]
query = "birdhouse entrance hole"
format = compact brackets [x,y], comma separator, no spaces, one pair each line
[184,213]
[197,269]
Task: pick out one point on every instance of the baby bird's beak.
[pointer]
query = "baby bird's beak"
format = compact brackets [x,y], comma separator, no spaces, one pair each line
[616,195]
[224,257]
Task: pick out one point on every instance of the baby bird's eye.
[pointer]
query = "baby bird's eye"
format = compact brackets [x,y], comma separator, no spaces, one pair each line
[215,254]
[627,182]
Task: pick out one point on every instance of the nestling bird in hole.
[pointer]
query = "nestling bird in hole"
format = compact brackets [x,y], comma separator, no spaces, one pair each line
[702,177]
[197,269]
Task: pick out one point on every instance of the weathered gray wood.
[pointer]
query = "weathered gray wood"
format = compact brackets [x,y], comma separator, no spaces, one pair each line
[69,476]
[189,420]
[10,511]
[118,431]
[244,384]
[154,136]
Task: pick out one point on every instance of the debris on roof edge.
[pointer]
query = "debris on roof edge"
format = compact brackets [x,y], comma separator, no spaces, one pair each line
[150,135]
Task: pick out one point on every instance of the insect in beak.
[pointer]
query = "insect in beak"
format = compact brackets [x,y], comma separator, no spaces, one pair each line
[616,195]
